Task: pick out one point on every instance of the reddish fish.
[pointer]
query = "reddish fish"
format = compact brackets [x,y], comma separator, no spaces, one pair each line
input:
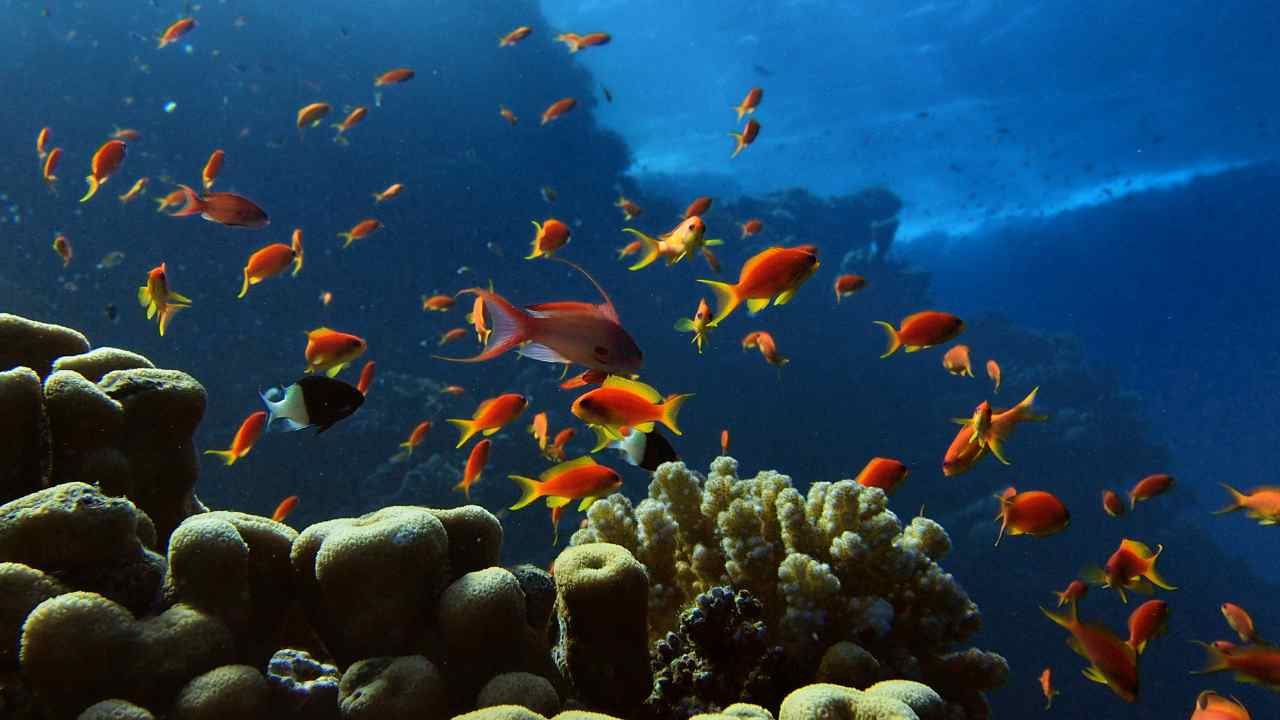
[620,405]
[584,378]
[476,461]
[62,246]
[42,139]
[106,160]
[1212,706]
[451,335]
[956,361]
[514,36]
[360,231]
[750,227]
[285,507]
[1034,512]
[393,190]
[212,167]
[1112,504]
[576,42]
[750,102]
[437,303]
[1132,567]
[555,450]
[50,166]
[329,351]
[580,479]
[993,372]
[1240,622]
[134,191]
[922,330]
[491,416]
[774,274]
[744,138]
[1046,688]
[724,442]
[158,299]
[629,209]
[248,434]
[415,438]
[847,285]
[538,429]
[173,199]
[175,31]
[763,341]
[224,208]
[993,434]
[1258,664]
[1112,661]
[355,117]
[550,235]
[884,473]
[267,262]
[311,115]
[1149,487]
[477,319]
[392,77]
[698,207]
[558,108]
[1076,590]
[1147,621]
[366,377]
[1263,504]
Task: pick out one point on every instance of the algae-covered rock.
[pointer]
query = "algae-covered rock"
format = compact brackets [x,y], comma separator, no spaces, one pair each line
[539,594]
[231,691]
[737,711]
[501,712]
[96,363]
[482,620]
[302,687]
[922,699]
[22,588]
[475,538]
[836,702]
[24,425]
[849,664]
[115,710]
[27,343]
[520,688]
[403,688]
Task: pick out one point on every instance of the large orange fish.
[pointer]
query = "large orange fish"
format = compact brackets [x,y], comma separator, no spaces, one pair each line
[683,240]
[620,405]
[1147,621]
[1046,688]
[774,274]
[884,473]
[106,160]
[582,479]
[360,231]
[1112,661]
[311,115]
[1149,487]
[1262,504]
[550,235]
[392,77]
[697,324]
[1212,706]
[750,102]
[1258,664]
[212,167]
[329,351]
[1034,512]
[999,429]
[560,332]
[158,299]
[491,416]
[224,208]
[558,108]
[175,31]
[269,262]
[744,138]
[1240,622]
[476,461]
[248,434]
[956,361]
[514,36]
[1132,567]
[922,330]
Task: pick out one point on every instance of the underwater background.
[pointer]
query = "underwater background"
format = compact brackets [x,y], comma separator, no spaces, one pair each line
[1091,186]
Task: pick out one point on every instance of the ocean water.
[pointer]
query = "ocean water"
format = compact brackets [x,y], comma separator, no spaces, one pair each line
[1091,186]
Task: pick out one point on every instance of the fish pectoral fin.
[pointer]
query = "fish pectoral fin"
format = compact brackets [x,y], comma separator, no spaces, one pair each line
[1094,674]
[556,501]
[644,427]
[176,297]
[997,449]
[684,325]
[602,438]
[333,371]
[490,431]
[144,296]
[784,297]
[1076,647]
[586,503]
[152,308]
[541,353]
[755,305]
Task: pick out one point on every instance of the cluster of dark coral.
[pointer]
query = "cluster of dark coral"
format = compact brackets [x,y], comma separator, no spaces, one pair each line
[719,656]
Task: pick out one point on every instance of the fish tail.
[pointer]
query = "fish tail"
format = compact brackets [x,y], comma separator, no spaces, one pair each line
[377,198]
[228,457]
[530,490]
[727,300]
[244,289]
[465,488]
[685,325]
[468,429]
[408,447]
[1214,659]
[191,205]
[650,249]
[511,326]
[167,314]
[740,145]
[1024,407]
[895,342]
[347,238]
[1154,575]
[1237,500]
[93,188]
[1066,621]
[670,409]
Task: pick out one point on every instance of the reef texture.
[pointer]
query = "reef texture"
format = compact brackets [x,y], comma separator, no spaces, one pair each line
[834,568]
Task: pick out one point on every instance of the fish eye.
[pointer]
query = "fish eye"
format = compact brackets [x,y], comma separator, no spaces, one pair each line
[601,351]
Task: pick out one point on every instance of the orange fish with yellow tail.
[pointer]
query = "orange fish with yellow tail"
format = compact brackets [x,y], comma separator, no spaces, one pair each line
[1034,512]
[476,461]
[1112,661]
[922,330]
[698,324]
[491,416]
[744,138]
[360,231]
[993,434]
[158,299]
[175,31]
[772,275]
[248,434]
[581,479]
[106,160]
[956,361]
[1131,567]
[271,261]
[683,240]
[329,351]
[750,102]
[620,405]
[1262,504]
[212,168]
[550,236]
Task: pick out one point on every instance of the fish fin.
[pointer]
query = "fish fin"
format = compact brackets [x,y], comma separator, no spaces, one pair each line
[670,409]
[713,242]
[144,298]
[1237,498]
[685,325]
[179,298]
[93,188]
[608,308]
[1137,548]
[738,148]
[1065,621]
[603,438]
[755,305]
[167,314]
[586,503]
[244,289]
[401,456]
[584,461]
[541,353]
[228,457]
[962,421]
[556,501]
[997,449]
[535,253]
[1139,647]
[333,371]
[1094,575]
[192,204]
[784,297]
[1214,659]
[530,490]
[510,327]
[1093,673]
[1156,579]
[465,488]
[727,300]
[467,427]
[650,246]
[490,431]
[633,386]
[895,342]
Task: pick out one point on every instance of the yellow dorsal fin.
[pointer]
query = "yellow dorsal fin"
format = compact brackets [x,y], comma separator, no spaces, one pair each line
[633,386]
[1137,548]
[319,330]
[565,466]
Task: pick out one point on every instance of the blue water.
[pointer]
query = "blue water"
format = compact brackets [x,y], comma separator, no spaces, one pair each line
[1091,186]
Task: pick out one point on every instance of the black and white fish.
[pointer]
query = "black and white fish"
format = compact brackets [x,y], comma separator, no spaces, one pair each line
[313,401]
[646,450]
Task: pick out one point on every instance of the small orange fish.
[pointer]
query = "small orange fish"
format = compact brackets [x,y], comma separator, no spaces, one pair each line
[1263,504]
[477,319]
[476,461]
[311,115]
[847,285]
[555,450]
[922,330]
[550,236]
[744,138]
[106,160]
[724,442]
[993,372]
[1076,590]
[491,416]
[326,297]
[774,274]
[1113,662]
[175,31]
[173,199]
[558,108]
[750,102]
[329,351]
[619,405]
[248,434]
[437,303]
[584,378]
[1252,663]
[265,263]
[538,429]
[366,377]
[1034,512]
[295,242]
[392,77]
[1046,687]
[393,190]
[576,42]
[212,167]
[62,246]
[42,139]
[362,230]
[699,207]
[1112,504]
[285,507]
[686,239]
[556,513]
[453,390]
[956,361]
[416,437]
[51,165]
[629,208]
[224,208]
[993,433]
[507,115]
[514,36]
[884,473]
[126,134]
[697,324]
[573,480]
[355,117]
[451,335]
[1212,706]
[1132,567]
[1149,487]
[751,227]
[158,299]
[1240,622]
[763,341]
[134,191]
[1147,621]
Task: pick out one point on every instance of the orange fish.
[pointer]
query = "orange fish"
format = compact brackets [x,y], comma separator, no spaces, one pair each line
[573,480]
[311,115]
[476,461]
[993,372]
[507,115]
[224,208]
[355,117]
[1113,662]
[491,416]
[538,429]
[684,240]
[998,429]
[1147,621]
[1240,622]
[1212,706]
[630,248]
[558,108]
[619,405]
[1252,663]
[847,285]
[922,330]
[577,42]
[697,324]
[295,242]
[1076,590]
[1263,504]
[248,434]
[51,165]
[416,437]
[1149,487]
[956,361]
[392,77]
[963,452]
[774,274]
[1132,567]
[477,320]
[1112,504]
[393,190]
[550,236]
[453,390]
[285,507]
[763,341]
[724,442]
[437,303]
[584,378]
[750,102]
[556,512]
[134,191]
[1046,687]
[1034,512]
[42,138]
[175,31]
[451,335]
[514,36]
[62,246]
[744,138]
[884,473]
[267,262]
[173,199]
[326,297]
[362,230]
[211,169]
[158,299]
[106,160]
[366,377]
[555,451]
[329,351]
[126,134]
[751,227]
[629,208]
[699,207]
